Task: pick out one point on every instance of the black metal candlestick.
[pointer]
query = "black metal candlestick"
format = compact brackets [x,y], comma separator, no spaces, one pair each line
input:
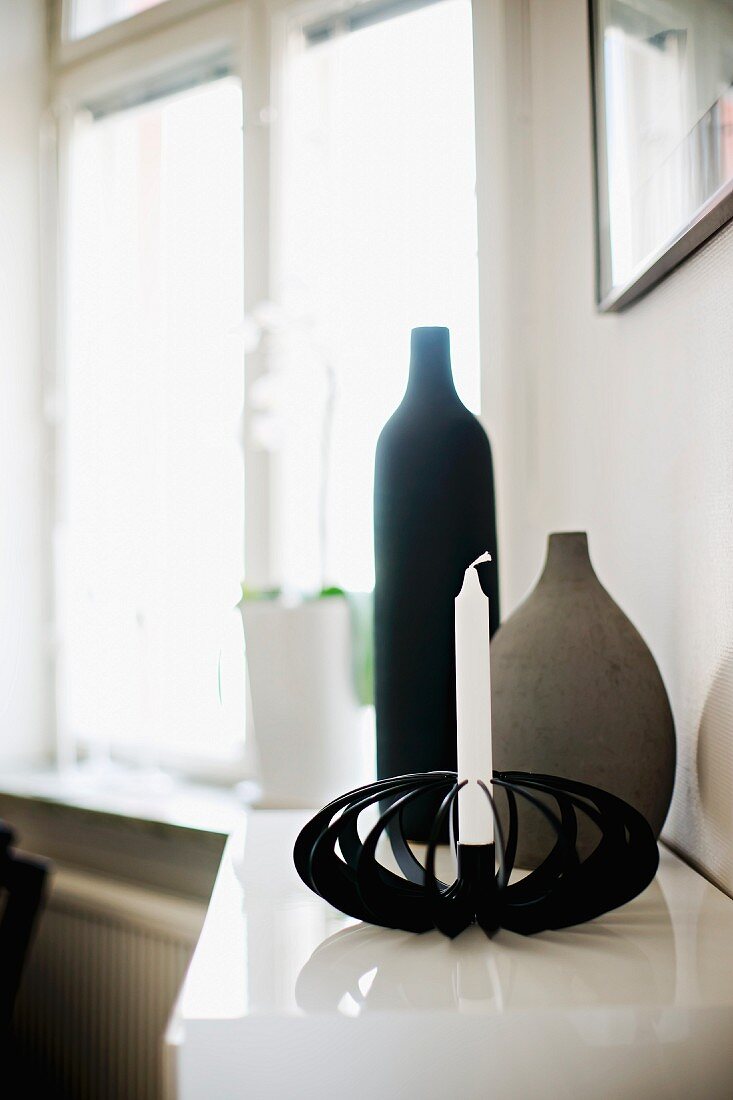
[333,860]
[561,891]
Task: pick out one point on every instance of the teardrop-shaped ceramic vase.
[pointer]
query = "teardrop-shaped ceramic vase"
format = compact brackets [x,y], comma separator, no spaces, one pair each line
[577,693]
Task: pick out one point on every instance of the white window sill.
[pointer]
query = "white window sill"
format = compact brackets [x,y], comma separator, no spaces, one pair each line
[133,793]
[167,833]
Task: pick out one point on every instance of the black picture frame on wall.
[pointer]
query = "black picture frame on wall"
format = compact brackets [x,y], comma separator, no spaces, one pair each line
[662,91]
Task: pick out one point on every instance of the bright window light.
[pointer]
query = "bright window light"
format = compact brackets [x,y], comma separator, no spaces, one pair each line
[376,234]
[150,553]
[88,16]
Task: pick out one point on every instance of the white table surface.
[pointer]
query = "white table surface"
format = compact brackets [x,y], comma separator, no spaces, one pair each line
[287,999]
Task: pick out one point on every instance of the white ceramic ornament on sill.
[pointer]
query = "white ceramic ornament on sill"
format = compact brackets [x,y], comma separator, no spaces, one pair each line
[309,727]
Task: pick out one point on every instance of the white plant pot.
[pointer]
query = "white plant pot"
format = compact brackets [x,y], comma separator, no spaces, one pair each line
[307,719]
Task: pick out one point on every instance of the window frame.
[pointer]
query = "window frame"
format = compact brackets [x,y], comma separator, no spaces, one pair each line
[67,51]
[178,36]
[254,36]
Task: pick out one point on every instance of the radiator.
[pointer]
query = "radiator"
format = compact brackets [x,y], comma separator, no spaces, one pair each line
[102,976]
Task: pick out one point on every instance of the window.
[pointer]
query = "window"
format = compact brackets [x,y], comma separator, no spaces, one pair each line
[153,520]
[237,293]
[377,234]
[87,16]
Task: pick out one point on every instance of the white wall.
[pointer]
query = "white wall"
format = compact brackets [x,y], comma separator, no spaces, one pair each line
[621,425]
[24,680]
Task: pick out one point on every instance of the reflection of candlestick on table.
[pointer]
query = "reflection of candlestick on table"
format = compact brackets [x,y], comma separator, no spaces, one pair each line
[333,860]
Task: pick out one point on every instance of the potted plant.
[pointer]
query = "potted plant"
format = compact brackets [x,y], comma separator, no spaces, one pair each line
[308,720]
[308,654]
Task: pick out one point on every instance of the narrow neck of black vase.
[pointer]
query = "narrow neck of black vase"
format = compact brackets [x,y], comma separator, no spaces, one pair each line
[431,377]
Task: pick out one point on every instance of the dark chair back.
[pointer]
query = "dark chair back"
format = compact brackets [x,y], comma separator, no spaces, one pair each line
[22,882]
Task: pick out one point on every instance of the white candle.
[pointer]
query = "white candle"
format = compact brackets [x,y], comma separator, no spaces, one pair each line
[473,709]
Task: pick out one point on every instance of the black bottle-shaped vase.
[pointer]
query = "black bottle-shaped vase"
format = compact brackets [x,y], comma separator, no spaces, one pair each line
[434,514]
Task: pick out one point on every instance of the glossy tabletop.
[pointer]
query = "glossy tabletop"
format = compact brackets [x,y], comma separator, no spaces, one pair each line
[286,998]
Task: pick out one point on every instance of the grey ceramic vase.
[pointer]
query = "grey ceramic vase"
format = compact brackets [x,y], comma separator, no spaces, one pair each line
[577,693]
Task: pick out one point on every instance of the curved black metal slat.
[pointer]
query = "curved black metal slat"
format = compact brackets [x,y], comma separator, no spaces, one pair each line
[351,845]
[502,875]
[628,848]
[322,869]
[606,879]
[560,857]
[448,908]
[406,860]
[401,905]
[510,851]
[310,833]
